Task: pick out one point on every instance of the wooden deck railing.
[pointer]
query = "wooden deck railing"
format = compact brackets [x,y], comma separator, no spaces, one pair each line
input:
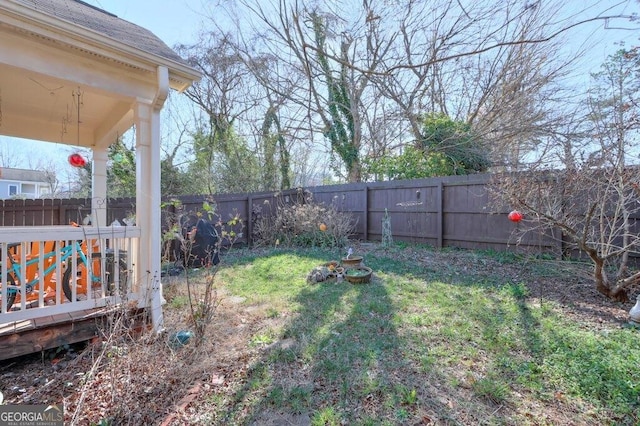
[49,270]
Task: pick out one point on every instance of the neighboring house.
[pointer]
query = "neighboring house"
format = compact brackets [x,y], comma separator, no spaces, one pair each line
[21,183]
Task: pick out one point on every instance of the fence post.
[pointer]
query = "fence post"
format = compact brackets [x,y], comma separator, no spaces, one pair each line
[249,217]
[440,214]
[365,213]
[62,213]
[23,213]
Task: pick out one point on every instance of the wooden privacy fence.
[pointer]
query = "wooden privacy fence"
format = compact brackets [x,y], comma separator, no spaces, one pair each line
[453,211]
[46,212]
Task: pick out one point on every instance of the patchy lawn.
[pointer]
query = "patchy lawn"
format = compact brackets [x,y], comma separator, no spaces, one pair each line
[437,337]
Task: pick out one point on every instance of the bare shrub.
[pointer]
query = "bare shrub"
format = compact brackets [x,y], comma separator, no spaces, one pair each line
[202,299]
[303,223]
[595,211]
[592,195]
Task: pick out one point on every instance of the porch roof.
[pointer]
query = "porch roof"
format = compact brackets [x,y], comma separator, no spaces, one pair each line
[70,73]
[82,14]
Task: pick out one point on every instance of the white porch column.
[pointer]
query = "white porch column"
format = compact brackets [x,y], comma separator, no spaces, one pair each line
[148,198]
[99,187]
[148,211]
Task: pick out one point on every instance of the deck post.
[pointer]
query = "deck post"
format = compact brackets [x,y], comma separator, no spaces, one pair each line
[99,187]
[147,202]
[148,198]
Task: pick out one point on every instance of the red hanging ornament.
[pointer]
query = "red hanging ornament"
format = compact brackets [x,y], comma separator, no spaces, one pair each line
[77,160]
[515,216]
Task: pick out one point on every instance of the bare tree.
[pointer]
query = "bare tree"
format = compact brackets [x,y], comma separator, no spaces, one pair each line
[273,131]
[491,64]
[594,199]
[52,180]
[222,157]
[8,155]
[322,53]
[483,64]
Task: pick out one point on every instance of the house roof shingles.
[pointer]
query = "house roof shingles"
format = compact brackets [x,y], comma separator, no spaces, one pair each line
[7,173]
[80,13]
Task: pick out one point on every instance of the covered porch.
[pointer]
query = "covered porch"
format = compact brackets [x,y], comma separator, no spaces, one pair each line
[79,76]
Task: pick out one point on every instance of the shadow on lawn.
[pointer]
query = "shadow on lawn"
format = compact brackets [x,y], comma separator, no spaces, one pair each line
[340,361]
[407,351]
[534,347]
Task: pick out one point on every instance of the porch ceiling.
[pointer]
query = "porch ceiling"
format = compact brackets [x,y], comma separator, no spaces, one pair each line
[41,107]
[72,74]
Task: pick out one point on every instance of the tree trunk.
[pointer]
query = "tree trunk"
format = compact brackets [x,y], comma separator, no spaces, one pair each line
[604,285]
[355,172]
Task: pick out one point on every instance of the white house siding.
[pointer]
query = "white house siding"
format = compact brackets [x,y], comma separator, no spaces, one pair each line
[20,183]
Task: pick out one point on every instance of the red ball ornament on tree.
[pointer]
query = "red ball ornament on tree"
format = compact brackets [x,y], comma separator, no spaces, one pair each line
[515,216]
[77,160]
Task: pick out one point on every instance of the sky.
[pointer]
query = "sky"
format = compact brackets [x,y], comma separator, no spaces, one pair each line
[180,21]
[174,21]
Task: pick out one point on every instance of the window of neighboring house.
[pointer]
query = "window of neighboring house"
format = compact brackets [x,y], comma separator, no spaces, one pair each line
[44,190]
[13,190]
[28,189]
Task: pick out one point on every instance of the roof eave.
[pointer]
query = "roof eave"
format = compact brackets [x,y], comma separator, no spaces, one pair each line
[181,76]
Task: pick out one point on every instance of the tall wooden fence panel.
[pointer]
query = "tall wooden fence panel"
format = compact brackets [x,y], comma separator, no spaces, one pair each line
[454,211]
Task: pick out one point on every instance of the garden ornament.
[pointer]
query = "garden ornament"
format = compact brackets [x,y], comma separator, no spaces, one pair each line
[515,216]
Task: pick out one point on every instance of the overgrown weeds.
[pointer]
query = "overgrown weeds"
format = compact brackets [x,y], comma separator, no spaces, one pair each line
[135,376]
[301,222]
[136,367]
[202,299]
